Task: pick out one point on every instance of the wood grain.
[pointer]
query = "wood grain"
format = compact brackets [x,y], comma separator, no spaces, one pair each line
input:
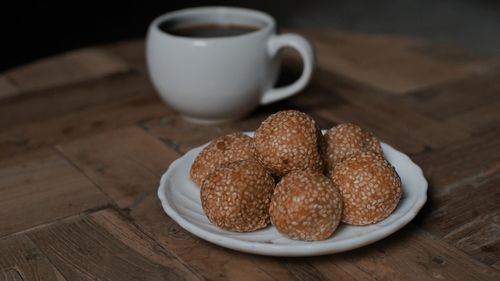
[338,267]
[471,159]
[90,121]
[83,248]
[394,65]
[10,275]
[106,159]
[415,255]
[74,66]
[479,120]
[410,254]
[455,98]
[49,104]
[42,186]
[20,259]
[469,221]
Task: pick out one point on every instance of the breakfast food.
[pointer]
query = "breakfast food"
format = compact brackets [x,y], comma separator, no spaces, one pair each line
[236,196]
[306,205]
[224,149]
[345,140]
[287,141]
[370,188]
[322,180]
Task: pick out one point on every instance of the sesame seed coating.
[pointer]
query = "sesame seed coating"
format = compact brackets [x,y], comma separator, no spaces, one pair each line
[370,188]
[236,196]
[287,141]
[306,206]
[345,140]
[224,149]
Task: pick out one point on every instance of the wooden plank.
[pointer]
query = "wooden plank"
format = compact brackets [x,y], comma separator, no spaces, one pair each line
[104,246]
[72,67]
[52,103]
[394,65]
[412,254]
[339,267]
[123,230]
[448,212]
[110,157]
[479,238]
[97,119]
[454,99]
[322,268]
[467,217]
[458,163]
[478,120]
[21,260]
[41,186]
[7,88]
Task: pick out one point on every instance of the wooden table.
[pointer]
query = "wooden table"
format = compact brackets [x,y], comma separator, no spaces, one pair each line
[84,140]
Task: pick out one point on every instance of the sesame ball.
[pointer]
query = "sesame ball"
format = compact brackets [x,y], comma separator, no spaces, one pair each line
[370,188]
[224,149]
[236,196]
[287,141]
[345,140]
[306,206]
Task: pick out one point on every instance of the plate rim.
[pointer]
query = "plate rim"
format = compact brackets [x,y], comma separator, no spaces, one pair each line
[270,249]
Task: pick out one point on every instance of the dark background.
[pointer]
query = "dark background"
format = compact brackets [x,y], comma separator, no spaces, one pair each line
[35,30]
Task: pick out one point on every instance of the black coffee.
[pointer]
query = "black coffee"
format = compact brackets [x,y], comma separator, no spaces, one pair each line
[209,30]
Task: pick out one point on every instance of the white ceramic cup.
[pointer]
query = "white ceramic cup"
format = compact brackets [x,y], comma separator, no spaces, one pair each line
[218,79]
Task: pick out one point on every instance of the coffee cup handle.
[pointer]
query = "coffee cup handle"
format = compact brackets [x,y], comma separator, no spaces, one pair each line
[305,50]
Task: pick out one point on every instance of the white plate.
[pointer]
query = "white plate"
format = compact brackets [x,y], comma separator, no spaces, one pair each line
[180,199]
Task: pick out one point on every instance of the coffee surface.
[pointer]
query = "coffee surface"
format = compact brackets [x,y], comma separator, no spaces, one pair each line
[209,30]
